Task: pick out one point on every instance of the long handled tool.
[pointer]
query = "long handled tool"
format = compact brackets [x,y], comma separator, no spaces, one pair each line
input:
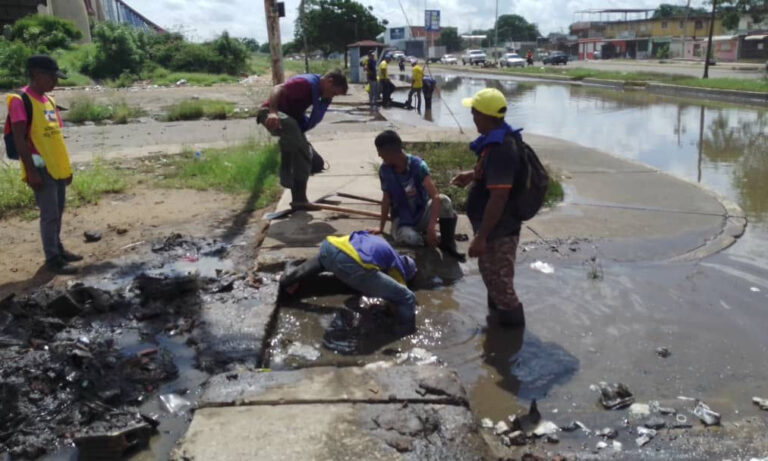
[358,197]
[289,211]
[319,206]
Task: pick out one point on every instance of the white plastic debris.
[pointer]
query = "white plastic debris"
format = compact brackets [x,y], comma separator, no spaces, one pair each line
[303,351]
[543,267]
[642,440]
[642,430]
[706,415]
[754,290]
[486,423]
[601,445]
[175,404]
[762,403]
[638,410]
[617,445]
[416,356]
[500,428]
[546,428]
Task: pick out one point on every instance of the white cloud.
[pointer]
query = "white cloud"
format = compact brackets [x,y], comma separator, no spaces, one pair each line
[204,19]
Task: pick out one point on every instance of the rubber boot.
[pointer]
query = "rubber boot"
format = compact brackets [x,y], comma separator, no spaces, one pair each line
[512,318]
[447,238]
[295,274]
[299,193]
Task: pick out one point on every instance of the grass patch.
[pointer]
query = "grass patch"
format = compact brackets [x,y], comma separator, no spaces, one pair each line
[86,109]
[93,181]
[89,184]
[164,77]
[195,109]
[756,85]
[259,64]
[14,194]
[244,169]
[445,160]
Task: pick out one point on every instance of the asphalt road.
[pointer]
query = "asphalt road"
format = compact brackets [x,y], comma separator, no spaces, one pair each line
[691,69]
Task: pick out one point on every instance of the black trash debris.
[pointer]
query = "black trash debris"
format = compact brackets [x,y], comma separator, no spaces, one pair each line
[104,446]
[91,236]
[663,352]
[615,396]
[64,306]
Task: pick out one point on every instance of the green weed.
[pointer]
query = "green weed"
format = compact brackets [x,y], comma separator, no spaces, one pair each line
[195,109]
[86,109]
[245,169]
[14,194]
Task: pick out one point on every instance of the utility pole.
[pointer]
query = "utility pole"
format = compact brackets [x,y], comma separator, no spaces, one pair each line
[709,41]
[275,47]
[685,25]
[303,21]
[496,27]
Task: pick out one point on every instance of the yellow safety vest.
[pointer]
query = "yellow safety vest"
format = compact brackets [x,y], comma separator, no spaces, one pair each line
[383,70]
[343,244]
[45,134]
[417,74]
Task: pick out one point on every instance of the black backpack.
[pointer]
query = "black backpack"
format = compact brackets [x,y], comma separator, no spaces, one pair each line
[10,145]
[318,163]
[529,198]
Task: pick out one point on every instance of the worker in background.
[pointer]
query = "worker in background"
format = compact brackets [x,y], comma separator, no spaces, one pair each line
[385,86]
[370,75]
[428,87]
[417,74]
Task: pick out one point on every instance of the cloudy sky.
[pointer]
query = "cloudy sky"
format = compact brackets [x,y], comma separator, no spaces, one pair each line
[203,19]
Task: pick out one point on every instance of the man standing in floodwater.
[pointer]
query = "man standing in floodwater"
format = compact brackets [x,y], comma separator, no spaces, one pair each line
[33,130]
[491,211]
[284,115]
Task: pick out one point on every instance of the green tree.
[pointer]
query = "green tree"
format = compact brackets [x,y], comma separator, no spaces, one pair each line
[250,43]
[449,38]
[119,49]
[14,56]
[513,27]
[333,24]
[732,10]
[264,48]
[230,55]
[44,34]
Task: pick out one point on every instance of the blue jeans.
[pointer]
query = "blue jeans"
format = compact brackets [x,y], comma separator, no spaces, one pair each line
[369,282]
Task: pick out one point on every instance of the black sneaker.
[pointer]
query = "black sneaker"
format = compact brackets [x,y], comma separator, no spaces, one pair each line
[59,266]
[511,318]
[70,257]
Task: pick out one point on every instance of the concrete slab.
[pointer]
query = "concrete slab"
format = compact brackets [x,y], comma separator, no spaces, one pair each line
[423,384]
[336,431]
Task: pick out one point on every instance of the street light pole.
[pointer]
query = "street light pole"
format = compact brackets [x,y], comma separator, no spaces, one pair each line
[304,36]
[709,41]
[275,48]
[496,27]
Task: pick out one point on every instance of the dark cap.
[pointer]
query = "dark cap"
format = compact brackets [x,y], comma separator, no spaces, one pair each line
[46,64]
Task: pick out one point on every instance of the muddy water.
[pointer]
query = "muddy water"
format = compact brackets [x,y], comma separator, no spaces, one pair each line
[591,322]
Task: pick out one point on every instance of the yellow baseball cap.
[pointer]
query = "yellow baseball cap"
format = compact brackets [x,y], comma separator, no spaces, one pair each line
[488,101]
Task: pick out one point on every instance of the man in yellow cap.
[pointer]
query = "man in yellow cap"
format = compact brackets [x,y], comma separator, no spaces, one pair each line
[490,208]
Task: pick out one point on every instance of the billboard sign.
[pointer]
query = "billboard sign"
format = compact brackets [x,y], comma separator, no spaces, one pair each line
[432,20]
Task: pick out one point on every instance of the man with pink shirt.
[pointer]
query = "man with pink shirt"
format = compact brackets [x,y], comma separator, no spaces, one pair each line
[33,136]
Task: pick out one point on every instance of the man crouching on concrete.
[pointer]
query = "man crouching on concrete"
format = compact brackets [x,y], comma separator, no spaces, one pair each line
[368,264]
[284,115]
[415,204]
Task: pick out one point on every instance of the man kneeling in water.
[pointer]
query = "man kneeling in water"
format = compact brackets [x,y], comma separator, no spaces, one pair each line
[368,264]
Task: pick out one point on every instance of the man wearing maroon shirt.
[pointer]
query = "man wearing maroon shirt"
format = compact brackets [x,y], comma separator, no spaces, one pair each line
[284,115]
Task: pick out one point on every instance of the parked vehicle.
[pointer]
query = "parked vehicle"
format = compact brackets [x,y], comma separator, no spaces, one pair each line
[512,60]
[448,59]
[556,57]
[473,57]
[597,55]
[411,60]
[434,53]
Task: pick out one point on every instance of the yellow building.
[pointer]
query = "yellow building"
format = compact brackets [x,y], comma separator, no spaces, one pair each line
[662,27]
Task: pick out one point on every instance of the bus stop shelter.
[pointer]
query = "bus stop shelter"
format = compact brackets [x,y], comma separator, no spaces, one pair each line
[355,52]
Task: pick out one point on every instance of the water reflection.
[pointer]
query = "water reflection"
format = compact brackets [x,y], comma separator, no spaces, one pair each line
[722,146]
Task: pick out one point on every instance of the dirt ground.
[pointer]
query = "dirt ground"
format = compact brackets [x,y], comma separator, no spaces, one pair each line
[125,219]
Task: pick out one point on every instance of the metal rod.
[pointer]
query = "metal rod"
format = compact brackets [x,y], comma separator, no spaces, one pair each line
[339,209]
[358,197]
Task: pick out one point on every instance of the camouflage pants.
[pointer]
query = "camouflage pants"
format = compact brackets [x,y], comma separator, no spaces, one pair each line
[497,267]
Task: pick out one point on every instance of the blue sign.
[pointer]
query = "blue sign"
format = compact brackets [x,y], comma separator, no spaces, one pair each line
[432,20]
[397,33]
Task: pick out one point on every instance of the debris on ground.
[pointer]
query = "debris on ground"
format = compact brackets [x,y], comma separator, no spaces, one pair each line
[543,267]
[639,410]
[706,415]
[655,423]
[615,396]
[175,404]
[545,428]
[486,423]
[608,433]
[663,352]
[646,435]
[574,425]
[762,403]
[91,236]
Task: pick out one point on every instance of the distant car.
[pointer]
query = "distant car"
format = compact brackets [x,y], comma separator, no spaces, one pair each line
[397,55]
[411,60]
[556,57]
[473,57]
[597,55]
[512,60]
[448,59]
